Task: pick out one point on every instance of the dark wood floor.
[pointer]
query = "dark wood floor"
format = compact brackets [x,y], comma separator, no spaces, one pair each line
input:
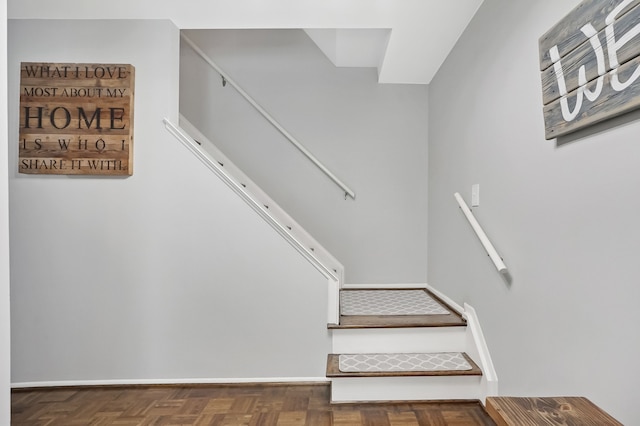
[552,411]
[235,405]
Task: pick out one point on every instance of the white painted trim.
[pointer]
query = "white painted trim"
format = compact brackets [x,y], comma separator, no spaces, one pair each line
[302,241]
[273,214]
[333,302]
[398,340]
[391,286]
[486,364]
[152,382]
[403,388]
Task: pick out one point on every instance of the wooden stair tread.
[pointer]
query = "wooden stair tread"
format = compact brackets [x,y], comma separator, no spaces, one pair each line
[333,370]
[522,411]
[398,321]
[453,319]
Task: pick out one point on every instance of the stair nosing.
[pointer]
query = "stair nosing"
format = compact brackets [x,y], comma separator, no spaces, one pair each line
[334,326]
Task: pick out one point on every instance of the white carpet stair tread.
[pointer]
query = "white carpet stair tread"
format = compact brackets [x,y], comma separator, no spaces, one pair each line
[403,362]
[389,302]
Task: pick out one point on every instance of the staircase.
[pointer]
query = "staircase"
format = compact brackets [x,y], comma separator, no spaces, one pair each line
[406,344]
[385,345]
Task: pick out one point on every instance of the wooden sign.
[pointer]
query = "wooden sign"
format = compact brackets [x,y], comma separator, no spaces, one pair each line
[76,119]
[590,65]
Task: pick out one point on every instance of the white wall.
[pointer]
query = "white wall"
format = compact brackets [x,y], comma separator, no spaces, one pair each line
[563,214]
[437,23]
[165,275]
[5,339]
[372,136]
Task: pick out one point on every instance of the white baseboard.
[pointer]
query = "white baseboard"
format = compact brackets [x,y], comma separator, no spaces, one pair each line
[388,285]
[473,323]
[152,382]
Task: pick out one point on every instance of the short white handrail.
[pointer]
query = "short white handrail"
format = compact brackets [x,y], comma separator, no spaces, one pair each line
[347,191]
[486,243]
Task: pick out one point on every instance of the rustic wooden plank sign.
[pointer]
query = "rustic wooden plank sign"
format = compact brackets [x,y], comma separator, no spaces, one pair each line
[76,119]
[590,65]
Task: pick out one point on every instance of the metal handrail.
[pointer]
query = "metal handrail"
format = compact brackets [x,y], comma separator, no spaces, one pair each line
[486,243]
[225,77]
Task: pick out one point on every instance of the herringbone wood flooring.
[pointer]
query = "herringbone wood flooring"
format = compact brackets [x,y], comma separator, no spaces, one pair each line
[231,405]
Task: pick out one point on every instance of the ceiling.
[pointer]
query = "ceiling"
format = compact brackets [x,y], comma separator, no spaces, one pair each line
[406,40]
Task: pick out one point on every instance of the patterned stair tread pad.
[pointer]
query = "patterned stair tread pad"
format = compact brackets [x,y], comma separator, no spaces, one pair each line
[367,363]
[389,302]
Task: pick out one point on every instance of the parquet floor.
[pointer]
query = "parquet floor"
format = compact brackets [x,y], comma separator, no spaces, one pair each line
[235,405]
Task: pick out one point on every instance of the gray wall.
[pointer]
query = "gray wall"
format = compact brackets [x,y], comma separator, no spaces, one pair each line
[372,136]
[563,214]
[166,274]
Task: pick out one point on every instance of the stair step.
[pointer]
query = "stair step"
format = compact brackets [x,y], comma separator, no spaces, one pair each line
[407,385]
[394,308]
[401,365]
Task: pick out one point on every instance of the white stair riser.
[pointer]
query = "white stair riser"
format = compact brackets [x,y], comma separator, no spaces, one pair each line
[399,340]
[416,388]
